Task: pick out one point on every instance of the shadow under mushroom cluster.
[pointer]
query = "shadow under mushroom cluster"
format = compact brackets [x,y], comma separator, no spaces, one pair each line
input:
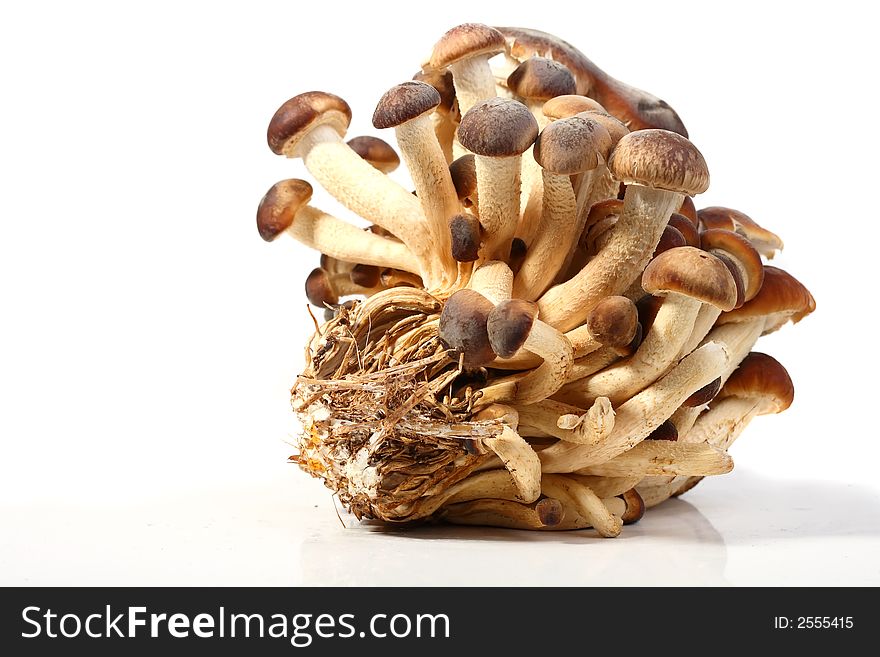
[545,333]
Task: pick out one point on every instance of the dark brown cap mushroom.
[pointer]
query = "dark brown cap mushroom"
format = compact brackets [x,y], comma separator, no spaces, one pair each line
[441,80]
[689,211]
[498,127]
[365,275]
[509,325]
[539,79]
[660,159]
[319,290]
[463,327]
[403,103]
[665,431]
[550,511]
[465,41]
[377,152]
[613,322]
[464,178]
[295,118]
[635,507]
[670,239]
[279,206]
[684,226]
[465,230]
[704,395]
[572,145]
[693,273]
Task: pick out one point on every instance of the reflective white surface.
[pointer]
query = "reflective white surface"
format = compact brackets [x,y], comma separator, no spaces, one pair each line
[741,529]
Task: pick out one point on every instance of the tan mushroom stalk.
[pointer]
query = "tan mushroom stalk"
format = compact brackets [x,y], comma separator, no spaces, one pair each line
[377,152]
[686,277]
[575,495]
[515,453]
[662,457]
[311,126]
[466,50]
[493,280]
[765,242]
[638,417]
[407,108]
[535,81]
[513,325]
[285,209]
[445,116]
[497,132]
[659,168]
[570,423]
[564,148]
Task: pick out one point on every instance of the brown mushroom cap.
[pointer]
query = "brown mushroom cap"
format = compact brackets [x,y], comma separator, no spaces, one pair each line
[684,226]
[613,322]
[665,431]
[279,206]
[465,230]
[550,511]
[780,293]
[572,145]
[405,102]
[704,395]
[295,118]
[518,251]
[760,375]
[466,41]
[510,324]
[689,210]
[498,127]
[441,80]
[659,159]
[635,506]
[319,290]
[737,277]
[377,152]
[741,249]
[463,327]
[615,128]
[561,107]
[539,78]
[694,273]
[464,178]
[671,238]
[717,216]
[365,275]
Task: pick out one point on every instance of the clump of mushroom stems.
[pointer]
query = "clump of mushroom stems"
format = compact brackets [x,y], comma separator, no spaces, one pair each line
[537,412]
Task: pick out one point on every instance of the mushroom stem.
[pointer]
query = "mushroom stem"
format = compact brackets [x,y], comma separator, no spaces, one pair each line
[723,423]
[638,417]
[655,355]
[704,322]
[520,460]
[590,364]
[630,245]
[547,251]
[473,80]
[339,239]
[662,457]
[498,184]
[570,423]
[573,494]
[493,280]
[371,194]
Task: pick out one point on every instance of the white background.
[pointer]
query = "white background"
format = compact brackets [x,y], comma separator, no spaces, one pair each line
[149,337]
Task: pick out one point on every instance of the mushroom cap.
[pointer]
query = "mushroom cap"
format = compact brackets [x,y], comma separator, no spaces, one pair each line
[704,395]
[405,102]
[659,159]
[689,211]
[615,128]
[465,231]
[510,324]
[377,152]
[684,226]
[561,107]
[463,327]
[365,275]
[498,127]
[613,321]
[737,276]
[760,375]
[635,506]
[539,79]
[295,118]
[518,251]
[319,290]
[694,273]
[465,41]
[441,80]
[716,216]
[463,171]
[278,208]
[670,238]
[550,511]
[742,251]
[665,431]
[780,293]
[572,145]
[648,307]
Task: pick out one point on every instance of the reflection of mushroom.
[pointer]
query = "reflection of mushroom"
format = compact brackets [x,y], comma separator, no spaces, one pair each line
[284,209]
[498,131]
[659,168]
[685,277]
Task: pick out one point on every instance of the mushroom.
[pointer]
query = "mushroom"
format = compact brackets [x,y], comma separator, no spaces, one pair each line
[564,148]
[464,178]
[585,502]
[464,230]
[686,277]
[759,386]
[638,109]
[376,152]
[515,453]
[407,108]
[687,229]
[659,168]
[570,423]
[324,288]
[663,457]
[444,118]
[741,253]
[311,126]
[465,50]
[781,297]
[635,506]
[613,322]
[498,131]
[513,325]
[636,418]
[765,242]
[285,209]
[463,327]
[501,513]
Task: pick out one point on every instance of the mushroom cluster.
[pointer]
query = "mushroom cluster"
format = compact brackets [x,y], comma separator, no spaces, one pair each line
[545,333]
